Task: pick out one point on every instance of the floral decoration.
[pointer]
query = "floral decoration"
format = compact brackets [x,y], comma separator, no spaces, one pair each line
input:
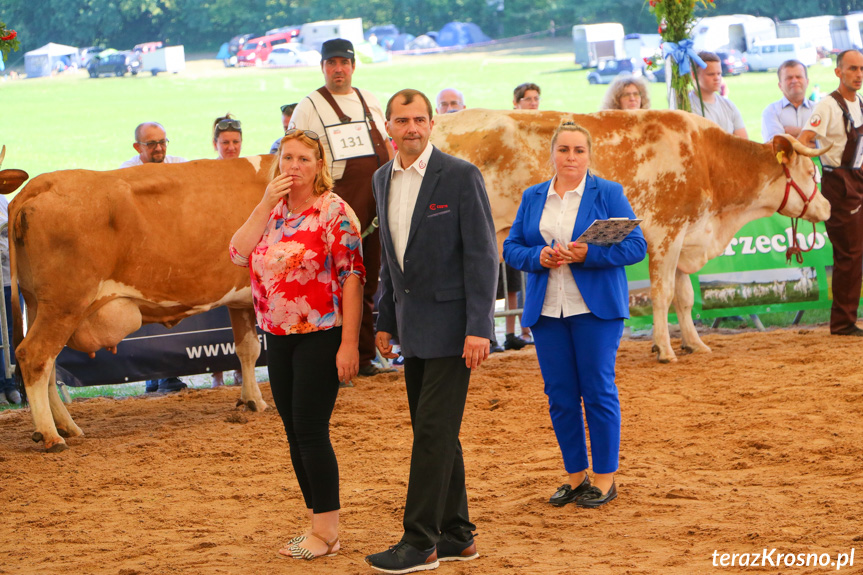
[676,19]
[8,40]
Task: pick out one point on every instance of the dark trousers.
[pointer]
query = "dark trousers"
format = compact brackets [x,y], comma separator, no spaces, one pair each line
[577,356]
[9,384]
[845,230]
[305,382]
[436,501]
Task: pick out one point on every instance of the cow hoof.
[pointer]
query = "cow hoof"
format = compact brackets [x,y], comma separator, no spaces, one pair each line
[36,437]
[687,349]
[654,348]
[251,405]
[240,403]
[58,447]
[63,433]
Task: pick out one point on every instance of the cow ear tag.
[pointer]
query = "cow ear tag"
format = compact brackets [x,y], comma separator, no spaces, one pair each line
[780,157]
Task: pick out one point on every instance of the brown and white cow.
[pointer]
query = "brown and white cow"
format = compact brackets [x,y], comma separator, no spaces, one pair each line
[693,185]
[97,254]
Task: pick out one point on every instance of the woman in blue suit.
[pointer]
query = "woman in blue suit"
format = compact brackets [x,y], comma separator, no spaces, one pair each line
[575,304]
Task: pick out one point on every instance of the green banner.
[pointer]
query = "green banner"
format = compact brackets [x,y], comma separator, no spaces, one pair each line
[751,276]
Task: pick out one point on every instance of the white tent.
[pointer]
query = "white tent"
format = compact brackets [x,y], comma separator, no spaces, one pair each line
[41,61]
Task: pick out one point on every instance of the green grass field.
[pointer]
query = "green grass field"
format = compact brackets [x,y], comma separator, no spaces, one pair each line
[74,121]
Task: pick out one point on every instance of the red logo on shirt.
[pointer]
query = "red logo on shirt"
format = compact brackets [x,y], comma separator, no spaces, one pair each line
[434,207]
[422,165]
[815,121]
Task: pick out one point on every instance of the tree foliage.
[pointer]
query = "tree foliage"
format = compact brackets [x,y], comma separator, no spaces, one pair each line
[205,24]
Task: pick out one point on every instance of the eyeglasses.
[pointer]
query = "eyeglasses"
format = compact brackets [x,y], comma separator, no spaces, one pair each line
[229,124]
[288,109]
[530,100]
[307,133]
[155,143]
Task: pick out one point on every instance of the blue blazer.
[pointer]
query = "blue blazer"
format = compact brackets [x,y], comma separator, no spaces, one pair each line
[601,278]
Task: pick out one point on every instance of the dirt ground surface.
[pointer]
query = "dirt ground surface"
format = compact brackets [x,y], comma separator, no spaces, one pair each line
[755,446]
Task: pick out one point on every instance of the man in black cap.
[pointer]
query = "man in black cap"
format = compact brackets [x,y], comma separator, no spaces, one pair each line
[350,124]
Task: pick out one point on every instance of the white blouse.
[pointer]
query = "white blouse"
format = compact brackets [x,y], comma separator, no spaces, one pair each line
[562,297]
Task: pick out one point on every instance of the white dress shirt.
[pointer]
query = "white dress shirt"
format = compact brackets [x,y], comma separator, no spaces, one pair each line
[404,190]
[562,297]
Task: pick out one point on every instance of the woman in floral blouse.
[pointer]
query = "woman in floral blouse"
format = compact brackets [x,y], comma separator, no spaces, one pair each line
[302,246]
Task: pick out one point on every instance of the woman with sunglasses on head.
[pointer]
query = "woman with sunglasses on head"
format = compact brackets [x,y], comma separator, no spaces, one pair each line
[227,137]
[228,143]
[575,304]
[302,245]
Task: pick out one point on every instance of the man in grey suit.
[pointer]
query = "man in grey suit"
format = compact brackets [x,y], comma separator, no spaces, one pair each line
[439,277]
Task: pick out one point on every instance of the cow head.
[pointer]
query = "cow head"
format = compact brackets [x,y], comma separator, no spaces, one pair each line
[10,180]
[802,197]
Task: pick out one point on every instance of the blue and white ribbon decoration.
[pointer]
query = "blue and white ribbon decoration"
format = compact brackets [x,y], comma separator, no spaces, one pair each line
[681,53]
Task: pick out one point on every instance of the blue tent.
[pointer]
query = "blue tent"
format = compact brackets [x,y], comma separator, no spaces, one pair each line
[460,34]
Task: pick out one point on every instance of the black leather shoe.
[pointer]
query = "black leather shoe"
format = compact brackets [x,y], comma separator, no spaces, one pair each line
[403,558]
[496,347]
[853,330]
[171,384]
[566,494]
[513,342]
[449,550]
[593,497]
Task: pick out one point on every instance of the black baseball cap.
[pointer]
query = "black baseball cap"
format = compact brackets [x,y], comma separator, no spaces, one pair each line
[337,48]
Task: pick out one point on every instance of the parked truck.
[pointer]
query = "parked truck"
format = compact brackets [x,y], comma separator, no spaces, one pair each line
[596,42]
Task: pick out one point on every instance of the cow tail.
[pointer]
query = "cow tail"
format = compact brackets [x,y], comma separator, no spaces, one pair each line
[17,317]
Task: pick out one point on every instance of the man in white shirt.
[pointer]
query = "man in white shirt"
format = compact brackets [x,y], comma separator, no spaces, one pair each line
[350,124]
[151,143]
[438,279]
[449,100]
[716,107]
[790,114]
[838,119]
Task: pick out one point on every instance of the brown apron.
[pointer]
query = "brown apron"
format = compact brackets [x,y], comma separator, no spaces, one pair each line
[843,187]
[355,187]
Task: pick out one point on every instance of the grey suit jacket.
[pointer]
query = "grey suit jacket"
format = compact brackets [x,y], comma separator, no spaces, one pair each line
[448,286]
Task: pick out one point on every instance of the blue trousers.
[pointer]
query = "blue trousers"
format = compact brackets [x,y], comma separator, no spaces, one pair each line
[577,355]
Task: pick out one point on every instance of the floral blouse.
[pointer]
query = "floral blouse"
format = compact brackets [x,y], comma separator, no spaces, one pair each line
[300,265]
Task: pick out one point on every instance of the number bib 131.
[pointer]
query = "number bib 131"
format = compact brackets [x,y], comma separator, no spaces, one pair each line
[351,140]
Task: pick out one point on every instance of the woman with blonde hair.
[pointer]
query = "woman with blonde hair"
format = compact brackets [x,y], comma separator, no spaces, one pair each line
[575,304]
[627,93]
[302,245]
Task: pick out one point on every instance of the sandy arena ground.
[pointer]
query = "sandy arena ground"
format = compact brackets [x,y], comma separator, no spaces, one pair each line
[747,448]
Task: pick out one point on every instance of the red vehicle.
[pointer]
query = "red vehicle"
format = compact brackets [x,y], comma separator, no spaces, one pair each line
[256,50]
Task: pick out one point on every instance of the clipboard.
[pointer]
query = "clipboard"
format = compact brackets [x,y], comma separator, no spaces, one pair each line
[608,232]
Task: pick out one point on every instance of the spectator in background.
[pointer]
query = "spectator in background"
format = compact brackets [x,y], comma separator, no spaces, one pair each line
[526,96]
[627,93]
[8,391]
[449,100]
[353,159]
[716,108]
[790,114]
[287,112]
[227,137]
[838,120]
[151,143]
[228,143]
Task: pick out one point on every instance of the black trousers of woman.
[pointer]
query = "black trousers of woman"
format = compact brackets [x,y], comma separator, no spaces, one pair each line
[305,382]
